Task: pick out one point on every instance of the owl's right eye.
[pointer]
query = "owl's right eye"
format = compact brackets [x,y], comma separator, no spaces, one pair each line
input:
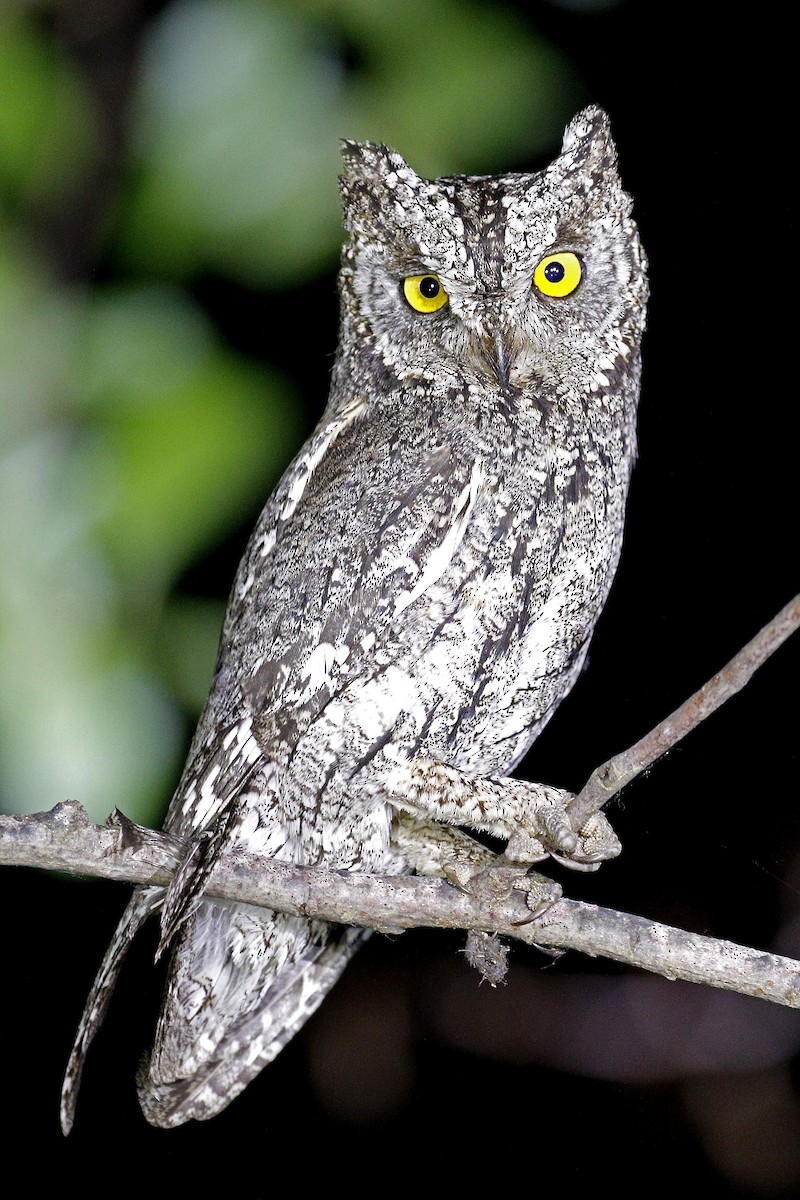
[424,293]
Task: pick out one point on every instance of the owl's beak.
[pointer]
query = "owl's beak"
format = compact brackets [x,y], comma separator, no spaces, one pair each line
[499,358]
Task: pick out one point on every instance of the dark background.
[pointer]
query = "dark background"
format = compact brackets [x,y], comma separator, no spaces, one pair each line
[577,1073]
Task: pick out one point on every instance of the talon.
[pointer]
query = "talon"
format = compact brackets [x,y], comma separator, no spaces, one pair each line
[541,894]
[598,840]
[523,847]
[490,884]
[459,874]
[576,864]
[547,832]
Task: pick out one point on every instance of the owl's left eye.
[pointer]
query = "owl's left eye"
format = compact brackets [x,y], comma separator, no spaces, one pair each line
[558,274]
[424,293]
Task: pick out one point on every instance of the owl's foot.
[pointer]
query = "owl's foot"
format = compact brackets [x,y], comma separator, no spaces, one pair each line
[432,849]
[533,817]
[547,831]
[541,893]
[471,867]
[429,848]
[496,882]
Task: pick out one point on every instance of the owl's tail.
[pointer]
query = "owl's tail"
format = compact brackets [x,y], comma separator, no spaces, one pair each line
[141,905]
[242,983]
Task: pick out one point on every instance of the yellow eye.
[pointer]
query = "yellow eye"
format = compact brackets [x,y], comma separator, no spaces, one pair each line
[558,274]
[424,293]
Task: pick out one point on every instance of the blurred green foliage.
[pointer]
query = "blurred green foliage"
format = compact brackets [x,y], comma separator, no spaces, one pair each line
[133,440]
[47,124]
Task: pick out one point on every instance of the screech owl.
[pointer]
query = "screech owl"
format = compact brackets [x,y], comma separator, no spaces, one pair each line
[417,597]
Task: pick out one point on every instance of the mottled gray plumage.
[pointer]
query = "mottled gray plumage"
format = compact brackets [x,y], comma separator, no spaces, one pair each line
[418,595]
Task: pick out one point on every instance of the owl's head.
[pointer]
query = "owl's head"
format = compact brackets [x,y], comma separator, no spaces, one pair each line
[509,281]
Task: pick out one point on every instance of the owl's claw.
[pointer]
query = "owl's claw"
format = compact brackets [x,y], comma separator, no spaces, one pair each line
[492,882]
[547,832]
[496,883]
[534,817]
[598,843]
[541,893]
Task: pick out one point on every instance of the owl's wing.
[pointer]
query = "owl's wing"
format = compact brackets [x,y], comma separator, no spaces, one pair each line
[221,759]
[348,553]
[354,534]
[224,753]
[375,529]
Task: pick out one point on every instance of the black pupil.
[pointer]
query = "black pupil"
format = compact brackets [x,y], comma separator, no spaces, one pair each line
[554,272]
[429,287]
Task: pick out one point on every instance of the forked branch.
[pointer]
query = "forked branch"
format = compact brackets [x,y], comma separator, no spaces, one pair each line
[65,839]
[613,775]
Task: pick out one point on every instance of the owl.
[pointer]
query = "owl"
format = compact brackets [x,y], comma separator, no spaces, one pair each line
[417,597]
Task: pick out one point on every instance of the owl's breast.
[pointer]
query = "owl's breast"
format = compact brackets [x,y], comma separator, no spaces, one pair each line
[433,602]
[497,639]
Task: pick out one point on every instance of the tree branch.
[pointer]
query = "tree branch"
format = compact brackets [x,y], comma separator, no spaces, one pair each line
[65,839]
[618,771]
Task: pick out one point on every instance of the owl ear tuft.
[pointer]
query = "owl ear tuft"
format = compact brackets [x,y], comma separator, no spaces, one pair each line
[588,142]
[372,172]
[370,160]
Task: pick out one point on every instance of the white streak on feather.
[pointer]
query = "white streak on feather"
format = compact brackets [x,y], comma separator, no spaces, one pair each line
[318,667]
[443,554]
[308,461]
[384,698]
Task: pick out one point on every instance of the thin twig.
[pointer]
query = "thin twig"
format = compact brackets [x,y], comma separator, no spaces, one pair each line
[618,771]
